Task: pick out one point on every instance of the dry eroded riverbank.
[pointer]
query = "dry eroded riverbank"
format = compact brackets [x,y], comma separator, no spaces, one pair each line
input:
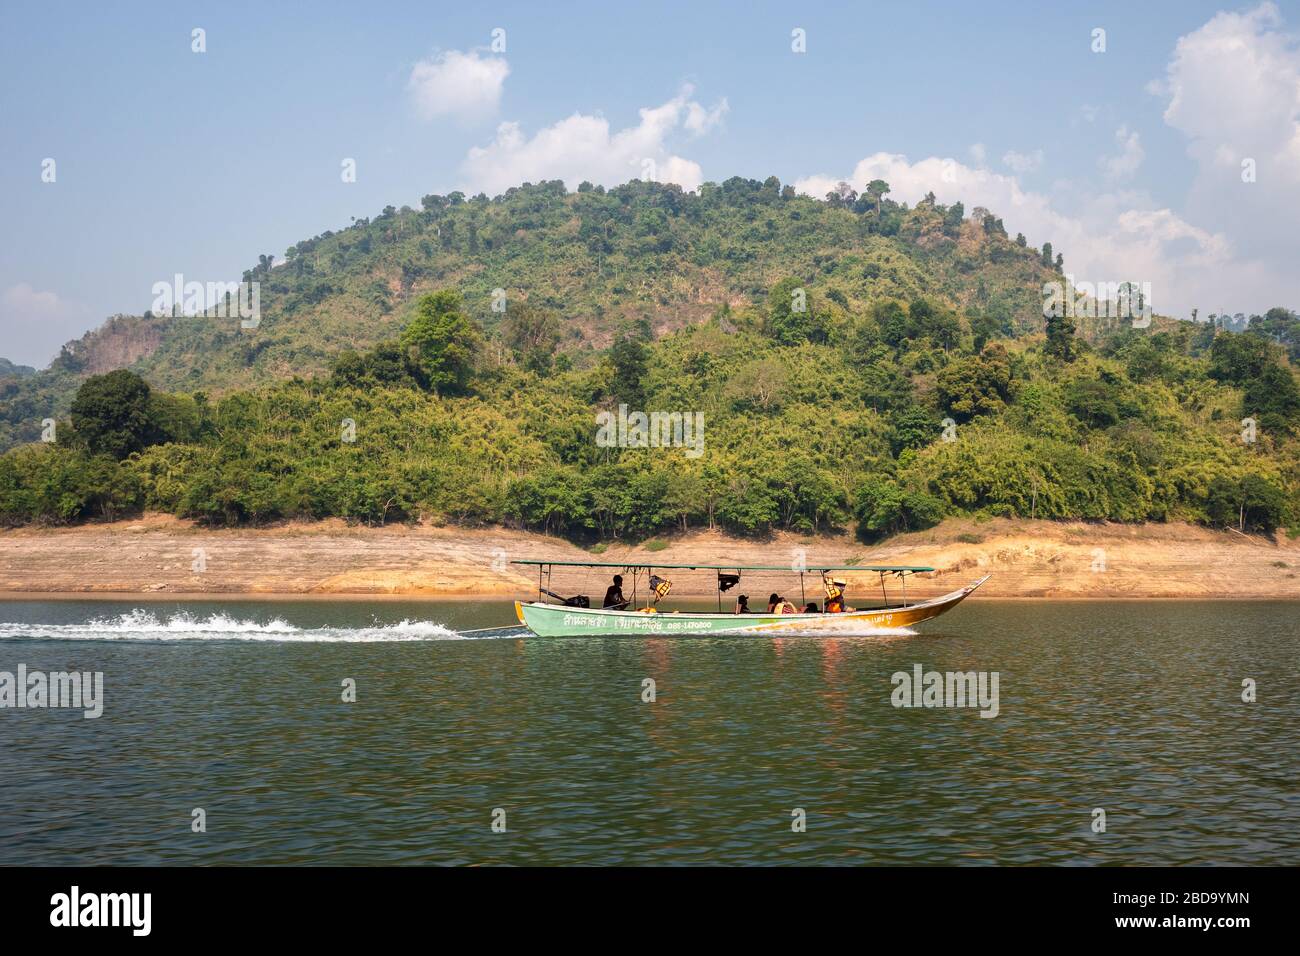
[163,556]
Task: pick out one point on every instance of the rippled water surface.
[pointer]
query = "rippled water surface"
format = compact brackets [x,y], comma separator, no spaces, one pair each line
[1131,707]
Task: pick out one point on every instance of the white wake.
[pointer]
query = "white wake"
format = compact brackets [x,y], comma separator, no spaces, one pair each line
[141,625]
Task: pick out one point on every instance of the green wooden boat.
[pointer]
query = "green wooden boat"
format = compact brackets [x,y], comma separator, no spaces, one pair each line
[569,618]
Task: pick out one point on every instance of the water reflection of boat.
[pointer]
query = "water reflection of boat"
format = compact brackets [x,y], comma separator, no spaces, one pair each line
[572,616]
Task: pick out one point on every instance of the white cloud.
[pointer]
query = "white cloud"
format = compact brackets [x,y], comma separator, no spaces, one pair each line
[700,120]
[978,153]
[583,147]
[1124,165]
[1022,162]
[1233,89]
[467,85]
[1109,237]
[33,325]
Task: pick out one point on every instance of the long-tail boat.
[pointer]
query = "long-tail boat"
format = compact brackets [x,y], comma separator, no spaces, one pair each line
[571,616]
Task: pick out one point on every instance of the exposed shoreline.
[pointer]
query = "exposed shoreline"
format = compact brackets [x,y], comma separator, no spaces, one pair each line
[217,597]
[159,558]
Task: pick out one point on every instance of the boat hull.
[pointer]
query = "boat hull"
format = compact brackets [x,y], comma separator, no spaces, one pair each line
[555,620]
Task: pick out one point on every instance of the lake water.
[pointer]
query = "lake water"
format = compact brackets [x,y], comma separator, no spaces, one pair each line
[1134,708]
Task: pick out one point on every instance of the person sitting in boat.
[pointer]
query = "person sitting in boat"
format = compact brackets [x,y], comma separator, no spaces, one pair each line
[835,598]
[811,608]
[614,599]
[773,600]
[780,605]
[833,595]
[742,604]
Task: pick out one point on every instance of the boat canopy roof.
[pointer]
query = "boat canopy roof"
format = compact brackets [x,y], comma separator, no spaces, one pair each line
[789,569]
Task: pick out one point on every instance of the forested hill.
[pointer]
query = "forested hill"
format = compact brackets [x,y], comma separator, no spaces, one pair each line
[596,258]
[842,363]
[9,370]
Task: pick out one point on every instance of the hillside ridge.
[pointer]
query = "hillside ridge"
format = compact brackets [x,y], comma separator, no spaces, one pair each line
[641,252]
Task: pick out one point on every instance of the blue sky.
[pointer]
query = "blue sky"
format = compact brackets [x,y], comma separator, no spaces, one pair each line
[173,161]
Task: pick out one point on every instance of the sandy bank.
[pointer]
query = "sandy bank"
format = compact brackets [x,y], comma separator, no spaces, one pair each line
[163,556]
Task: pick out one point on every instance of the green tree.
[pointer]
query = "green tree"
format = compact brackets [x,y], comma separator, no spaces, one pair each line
[1251,503]
[1093,402]
[952,219]
[885,387]
[1060,337]
[896,325]
[1274,397]
[387,364]
[113,415]
[792,315]
[883,508]
[550,500]
[1237,358]
[442,342]
[630,357]
[984,327]
[531,334]
[914,427]
[939,323]
[976,384]
[877,189]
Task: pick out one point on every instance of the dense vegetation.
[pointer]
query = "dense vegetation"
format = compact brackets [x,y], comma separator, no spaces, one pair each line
[600,259]
[799,434]
[841,394]
[9,370]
